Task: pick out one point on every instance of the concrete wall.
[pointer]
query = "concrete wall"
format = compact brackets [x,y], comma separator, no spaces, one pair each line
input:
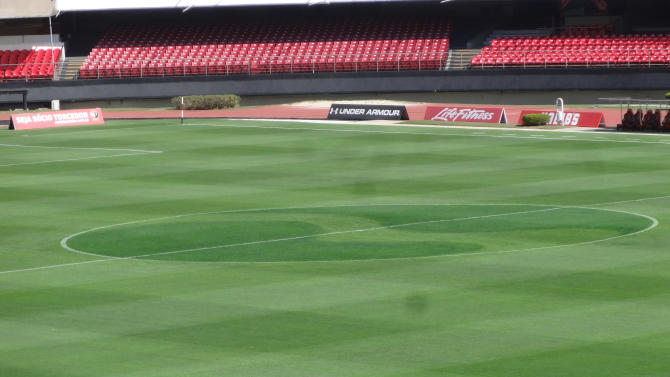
[474,86]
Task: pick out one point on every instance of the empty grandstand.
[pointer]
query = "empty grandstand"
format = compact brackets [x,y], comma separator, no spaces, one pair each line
[397,43]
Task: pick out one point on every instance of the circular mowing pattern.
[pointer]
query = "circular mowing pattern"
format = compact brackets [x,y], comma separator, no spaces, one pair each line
[355,232]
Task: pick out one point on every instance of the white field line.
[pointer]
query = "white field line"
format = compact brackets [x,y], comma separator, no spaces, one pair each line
[654,223]
[396,123]
[459,134]
[629,201]
[54,266]
[567,132]
[155,254]
[71,159]
[131,152]
[88,130]
[81,148]
[65,240]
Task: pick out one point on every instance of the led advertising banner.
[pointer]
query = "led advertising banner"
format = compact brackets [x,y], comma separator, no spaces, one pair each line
[367,112]
[81,117]
[591,119]
[472,114]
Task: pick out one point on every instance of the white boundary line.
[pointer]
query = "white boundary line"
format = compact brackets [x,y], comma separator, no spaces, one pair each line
[450,126]
[461,134]
[133,152]
[654,224]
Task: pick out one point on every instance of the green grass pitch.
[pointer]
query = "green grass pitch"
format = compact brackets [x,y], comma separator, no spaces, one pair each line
[247,248]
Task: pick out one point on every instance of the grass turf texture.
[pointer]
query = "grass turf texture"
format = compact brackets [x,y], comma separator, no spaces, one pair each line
[596,309]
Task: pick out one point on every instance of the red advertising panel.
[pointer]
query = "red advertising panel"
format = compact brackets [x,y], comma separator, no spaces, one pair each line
[466,114]
[570,118]
[81,117]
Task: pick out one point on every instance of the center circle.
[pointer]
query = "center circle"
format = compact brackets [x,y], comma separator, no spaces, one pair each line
[356,232]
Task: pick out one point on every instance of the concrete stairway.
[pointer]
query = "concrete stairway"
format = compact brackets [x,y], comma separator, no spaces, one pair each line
[460,59]
[70,68]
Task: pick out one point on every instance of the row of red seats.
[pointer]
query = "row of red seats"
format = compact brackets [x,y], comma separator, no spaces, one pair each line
[614,41]
[557,58]
[27,64]
[254,48]
[260,65]
[632,49]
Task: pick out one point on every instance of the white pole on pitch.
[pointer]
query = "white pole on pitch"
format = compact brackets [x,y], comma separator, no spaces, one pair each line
[182,109]
[560,112]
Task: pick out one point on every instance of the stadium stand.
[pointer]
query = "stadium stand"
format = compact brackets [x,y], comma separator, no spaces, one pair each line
[399,43]
[592,45]
[28,64]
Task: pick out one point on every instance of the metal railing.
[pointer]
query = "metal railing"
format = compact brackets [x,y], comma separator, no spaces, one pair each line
[28,71]
[263,64]
[597,58]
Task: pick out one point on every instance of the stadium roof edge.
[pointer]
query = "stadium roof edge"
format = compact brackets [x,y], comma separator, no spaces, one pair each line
[87,5]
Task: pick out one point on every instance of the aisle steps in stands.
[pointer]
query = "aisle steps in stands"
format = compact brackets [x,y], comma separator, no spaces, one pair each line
[460,59]
[70,67]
